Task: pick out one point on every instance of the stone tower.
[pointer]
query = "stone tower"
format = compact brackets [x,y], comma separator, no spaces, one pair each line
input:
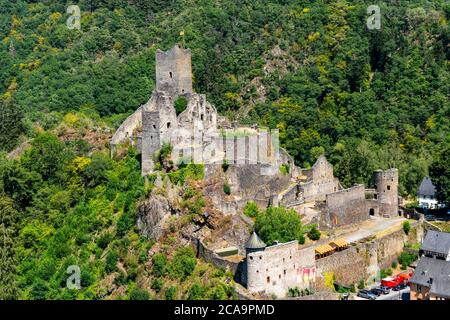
[254,264]
[387,188]
[151,139]
[174,71]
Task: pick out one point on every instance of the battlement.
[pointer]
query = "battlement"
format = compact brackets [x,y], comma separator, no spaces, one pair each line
[174,71]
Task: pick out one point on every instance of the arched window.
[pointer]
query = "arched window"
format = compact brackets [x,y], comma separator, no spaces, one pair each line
[170,74]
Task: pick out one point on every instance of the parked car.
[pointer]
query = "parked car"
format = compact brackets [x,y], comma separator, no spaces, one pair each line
[385,290]
[429,217]
[399,287]
[366,294]
[377,291]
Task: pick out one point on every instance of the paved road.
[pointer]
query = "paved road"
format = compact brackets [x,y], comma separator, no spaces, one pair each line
[393,295]
[371,227]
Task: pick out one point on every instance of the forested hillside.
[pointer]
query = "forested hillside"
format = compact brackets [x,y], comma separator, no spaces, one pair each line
[368,99]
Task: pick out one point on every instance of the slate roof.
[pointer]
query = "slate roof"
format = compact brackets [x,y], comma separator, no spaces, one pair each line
[437,242]
[426,188]
[254,242]
[435,269]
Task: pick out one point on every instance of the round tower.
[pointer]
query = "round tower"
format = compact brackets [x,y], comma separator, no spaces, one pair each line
[386,183]
[255,263]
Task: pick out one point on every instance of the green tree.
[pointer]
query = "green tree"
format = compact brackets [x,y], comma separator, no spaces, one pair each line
[11,124]
[139,294]
[8,221]
[280,224]
[183,263]
[159,264]
[440,175]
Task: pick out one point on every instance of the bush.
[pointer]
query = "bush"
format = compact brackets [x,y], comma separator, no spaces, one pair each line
[180,105]
[170,293]
[159,264]
[226,189]
[225,165]
[183,263]
[139,294]
[284,169]
[251,209]
[104,240]
[361,284]
[394,264]
[111,261]
[314,234]
[196,292]
[157,284]
[406,227]
[405,259]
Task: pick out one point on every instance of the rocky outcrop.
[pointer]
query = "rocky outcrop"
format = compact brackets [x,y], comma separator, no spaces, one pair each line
[152,215]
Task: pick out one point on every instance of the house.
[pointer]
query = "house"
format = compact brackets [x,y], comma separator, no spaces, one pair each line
[426,195]
[436,245]
[431,280]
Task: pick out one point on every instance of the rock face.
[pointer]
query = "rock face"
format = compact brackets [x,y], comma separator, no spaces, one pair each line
[152,214]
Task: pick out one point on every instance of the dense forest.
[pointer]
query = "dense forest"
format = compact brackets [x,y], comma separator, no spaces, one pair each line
[367,99]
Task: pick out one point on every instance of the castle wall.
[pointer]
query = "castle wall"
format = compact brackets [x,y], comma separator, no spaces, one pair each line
[321,181]
[280,267]
[126,130]
[346,206]
[361,261]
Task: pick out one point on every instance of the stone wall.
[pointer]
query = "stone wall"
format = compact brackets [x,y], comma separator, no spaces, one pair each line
[363,260]
[321,181]
[347,206]
[279,267]
[127,128]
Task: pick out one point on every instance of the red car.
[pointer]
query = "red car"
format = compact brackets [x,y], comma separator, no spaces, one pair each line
[394,281]
[391,282]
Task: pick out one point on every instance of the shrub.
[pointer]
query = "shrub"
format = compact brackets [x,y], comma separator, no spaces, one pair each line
[225,165]
[405,259]
[284,169]
[183,263]
[157,284]
[196,292]
[314,234]
[251,209]
[139,294]
[394,264]
[104,240]
[361,284]
[406,227]
[226,189]
[180,105]
[159,264]
[111,261]
[170,293]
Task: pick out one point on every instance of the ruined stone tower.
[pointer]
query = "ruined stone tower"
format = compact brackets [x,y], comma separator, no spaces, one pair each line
[174,71]
[387,189]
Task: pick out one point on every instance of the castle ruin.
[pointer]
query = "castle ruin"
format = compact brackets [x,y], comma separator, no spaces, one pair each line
[200,135]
